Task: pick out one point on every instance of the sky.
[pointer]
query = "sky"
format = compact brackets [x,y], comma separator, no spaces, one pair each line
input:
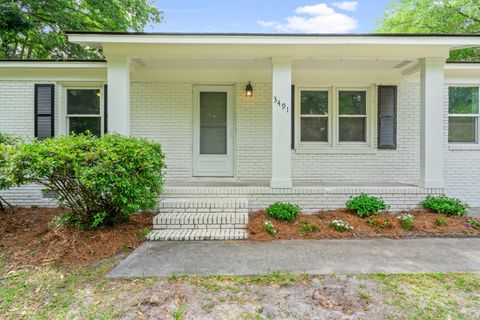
[269,16]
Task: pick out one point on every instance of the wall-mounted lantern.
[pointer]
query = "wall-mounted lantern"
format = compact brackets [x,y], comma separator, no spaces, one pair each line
[249,90]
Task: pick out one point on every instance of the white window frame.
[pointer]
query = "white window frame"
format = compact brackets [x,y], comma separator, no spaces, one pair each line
[298,120]
[338,116]
[67,116]
[464,115]
[334,117]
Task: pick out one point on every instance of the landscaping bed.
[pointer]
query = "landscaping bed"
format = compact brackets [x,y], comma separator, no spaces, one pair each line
[26,239]
[301,227]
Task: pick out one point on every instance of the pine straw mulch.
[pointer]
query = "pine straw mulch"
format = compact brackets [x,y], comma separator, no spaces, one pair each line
[424,226]
[27,240]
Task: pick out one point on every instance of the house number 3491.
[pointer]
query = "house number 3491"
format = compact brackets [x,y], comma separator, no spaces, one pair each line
[280,104]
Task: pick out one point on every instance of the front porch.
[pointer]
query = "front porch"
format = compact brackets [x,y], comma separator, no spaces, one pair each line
[311,196]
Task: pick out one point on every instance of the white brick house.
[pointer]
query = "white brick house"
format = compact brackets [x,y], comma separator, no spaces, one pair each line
[329,116]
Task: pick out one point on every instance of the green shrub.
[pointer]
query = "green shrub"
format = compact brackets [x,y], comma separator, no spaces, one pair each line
[445,205]
[365,205]
[440,222]
[407,220]
[103,181]
[283,211]
[7,150]
[268,225]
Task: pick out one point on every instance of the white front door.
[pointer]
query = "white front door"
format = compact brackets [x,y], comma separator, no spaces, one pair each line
[213,131]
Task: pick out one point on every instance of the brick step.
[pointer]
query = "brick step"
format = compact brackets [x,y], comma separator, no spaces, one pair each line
[202,205]
[191,220]
[197,234]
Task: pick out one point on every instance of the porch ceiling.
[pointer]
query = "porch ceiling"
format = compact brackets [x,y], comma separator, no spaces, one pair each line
[265,64]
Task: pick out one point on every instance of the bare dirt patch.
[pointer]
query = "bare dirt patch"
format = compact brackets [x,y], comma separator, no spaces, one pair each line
[27,240]
[424,226]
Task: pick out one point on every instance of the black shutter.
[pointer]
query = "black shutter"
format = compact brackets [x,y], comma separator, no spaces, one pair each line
[293,118]
[44,111]
[105,108]
[387,117]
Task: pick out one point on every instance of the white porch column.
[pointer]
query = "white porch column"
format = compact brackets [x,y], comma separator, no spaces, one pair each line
[281,122]
[431,122]
[119,94]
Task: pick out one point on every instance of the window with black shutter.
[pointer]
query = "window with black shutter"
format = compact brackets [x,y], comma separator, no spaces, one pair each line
[44,111]
[105,108]
[387,117]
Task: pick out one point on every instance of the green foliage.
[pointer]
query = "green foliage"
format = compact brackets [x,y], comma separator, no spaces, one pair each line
[407,221]
[268,225]
[33,29]
[340,226]
[427,16]
[307,227]
[283,211]
[365,206]
[378,222]
[441,222]
[445,205]
[7,150]
[103,181]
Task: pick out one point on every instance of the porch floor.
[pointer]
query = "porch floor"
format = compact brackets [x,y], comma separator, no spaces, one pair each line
[296,184]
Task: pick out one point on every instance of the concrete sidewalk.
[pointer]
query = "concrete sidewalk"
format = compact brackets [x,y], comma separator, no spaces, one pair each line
[164,258]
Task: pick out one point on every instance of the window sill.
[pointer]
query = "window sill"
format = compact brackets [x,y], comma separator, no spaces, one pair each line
[336,150]
[464,147]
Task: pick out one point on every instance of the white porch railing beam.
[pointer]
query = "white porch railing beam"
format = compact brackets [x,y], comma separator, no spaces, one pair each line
[281,122]
[432,122]
[119,94]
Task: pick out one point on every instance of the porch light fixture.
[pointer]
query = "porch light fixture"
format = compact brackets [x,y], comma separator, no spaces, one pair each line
[249,90]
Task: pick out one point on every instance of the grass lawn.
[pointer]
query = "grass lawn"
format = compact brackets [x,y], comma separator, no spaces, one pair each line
[52,292]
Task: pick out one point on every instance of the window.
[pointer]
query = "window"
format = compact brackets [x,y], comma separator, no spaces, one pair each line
[463,114]
[314,116]
[352,116]
[84,112]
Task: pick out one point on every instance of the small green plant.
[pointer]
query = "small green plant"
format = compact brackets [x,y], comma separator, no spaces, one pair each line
[472,223]
[268,225]
[441,222]
[445,205]
[340,226]
[406,220]
[365,205]
[307,227]
[142,233]
[179,313]
[283,211]
[378,222]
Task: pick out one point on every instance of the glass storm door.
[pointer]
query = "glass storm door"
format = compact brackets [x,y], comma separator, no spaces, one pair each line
[213,131]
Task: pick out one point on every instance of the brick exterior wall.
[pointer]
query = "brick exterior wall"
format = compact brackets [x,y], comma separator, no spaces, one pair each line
[163,111]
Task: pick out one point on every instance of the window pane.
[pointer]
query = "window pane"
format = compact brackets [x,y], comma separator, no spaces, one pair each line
[314,129]
[462,129]
[83,101]
[213,123]
[352,129]
[314,102]
[352,102]
[463,100]
[80,125]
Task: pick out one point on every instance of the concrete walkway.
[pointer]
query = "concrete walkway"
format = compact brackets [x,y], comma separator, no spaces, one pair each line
[164,258]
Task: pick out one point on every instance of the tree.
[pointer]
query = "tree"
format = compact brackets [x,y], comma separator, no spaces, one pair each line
[435,16]
[35,29]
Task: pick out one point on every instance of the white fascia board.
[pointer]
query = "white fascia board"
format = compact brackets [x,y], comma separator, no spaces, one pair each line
[53,65]
[97,40]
